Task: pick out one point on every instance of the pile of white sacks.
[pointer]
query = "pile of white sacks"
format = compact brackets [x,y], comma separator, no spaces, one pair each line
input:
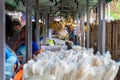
[76,64]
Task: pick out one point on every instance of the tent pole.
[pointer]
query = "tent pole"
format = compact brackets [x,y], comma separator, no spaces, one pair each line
[82,31]
[45,27]
[2,40]
[99,26]
[108,11]
[47,17]
[37,27]
[37,22]
[28,30]
[78,28]
[88,27]
[104,29]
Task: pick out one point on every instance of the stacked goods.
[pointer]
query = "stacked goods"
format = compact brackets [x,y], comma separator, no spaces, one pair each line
[77,64]
[62,23]
[59,26]
[70,23]
[94,37]
[112,39]
[54,25]
[63,33]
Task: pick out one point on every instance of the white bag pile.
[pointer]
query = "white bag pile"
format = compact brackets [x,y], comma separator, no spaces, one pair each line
[77,64]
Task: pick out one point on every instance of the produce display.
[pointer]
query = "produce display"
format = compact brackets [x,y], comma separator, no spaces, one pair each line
[59,26]
[76,64]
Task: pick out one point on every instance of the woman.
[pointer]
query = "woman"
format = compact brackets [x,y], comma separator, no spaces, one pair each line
[22,47]
[10,57]
[16,32]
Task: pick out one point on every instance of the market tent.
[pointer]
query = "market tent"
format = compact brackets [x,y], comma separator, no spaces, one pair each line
[53,6]
[12,3]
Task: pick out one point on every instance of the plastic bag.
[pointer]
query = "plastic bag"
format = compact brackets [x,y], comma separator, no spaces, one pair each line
[18,76]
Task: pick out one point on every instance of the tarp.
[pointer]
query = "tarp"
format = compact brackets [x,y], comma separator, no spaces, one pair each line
[11,3]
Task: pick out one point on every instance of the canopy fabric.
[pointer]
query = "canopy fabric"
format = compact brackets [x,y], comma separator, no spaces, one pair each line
[63,6]
[54,6]
[11,3]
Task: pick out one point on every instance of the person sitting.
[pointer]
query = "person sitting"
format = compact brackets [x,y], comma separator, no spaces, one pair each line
[68,45]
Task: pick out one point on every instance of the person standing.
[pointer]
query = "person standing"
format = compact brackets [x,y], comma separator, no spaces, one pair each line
[10,56]
[16,32]
[22,45]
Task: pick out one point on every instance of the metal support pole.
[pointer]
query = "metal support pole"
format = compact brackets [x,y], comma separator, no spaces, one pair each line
[108,11]
[47,24]
[88,27]
[99,26]
[78,28]
[101,13]
[75,31]
[104,29]
[44,29]
[37,27]
[82,31]
[2,40]
[28,30]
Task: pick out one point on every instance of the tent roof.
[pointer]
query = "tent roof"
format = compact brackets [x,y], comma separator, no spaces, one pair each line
[53,6]
[63,6]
